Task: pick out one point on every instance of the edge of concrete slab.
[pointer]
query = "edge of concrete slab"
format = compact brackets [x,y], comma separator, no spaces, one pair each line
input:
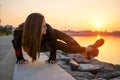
[40,70]
[7,65]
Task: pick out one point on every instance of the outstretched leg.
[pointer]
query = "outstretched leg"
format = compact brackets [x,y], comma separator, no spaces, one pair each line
[67,44]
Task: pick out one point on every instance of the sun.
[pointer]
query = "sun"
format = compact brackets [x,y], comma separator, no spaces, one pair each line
[98,25]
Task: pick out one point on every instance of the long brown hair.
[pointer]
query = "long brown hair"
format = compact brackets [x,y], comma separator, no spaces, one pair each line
[32,34]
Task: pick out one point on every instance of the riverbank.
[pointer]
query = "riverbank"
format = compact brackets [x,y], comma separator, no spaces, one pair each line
[83,69]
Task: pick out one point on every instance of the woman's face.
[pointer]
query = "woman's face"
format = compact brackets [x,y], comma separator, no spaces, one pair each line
[44,27]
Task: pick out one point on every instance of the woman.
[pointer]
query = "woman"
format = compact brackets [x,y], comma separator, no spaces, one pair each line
[35,33]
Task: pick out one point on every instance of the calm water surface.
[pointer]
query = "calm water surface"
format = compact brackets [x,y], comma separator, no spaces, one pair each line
[109,52]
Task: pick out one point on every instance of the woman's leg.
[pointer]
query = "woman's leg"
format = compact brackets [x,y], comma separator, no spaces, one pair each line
[69,45]
[69,48]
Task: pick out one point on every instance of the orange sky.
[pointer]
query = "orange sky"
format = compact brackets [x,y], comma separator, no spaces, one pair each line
[65,14]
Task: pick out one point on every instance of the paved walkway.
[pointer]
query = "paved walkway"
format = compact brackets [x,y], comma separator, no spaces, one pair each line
[7,58]
[5,44]
[7,65]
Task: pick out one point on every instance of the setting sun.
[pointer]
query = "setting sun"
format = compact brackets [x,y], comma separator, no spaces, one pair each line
[98,25]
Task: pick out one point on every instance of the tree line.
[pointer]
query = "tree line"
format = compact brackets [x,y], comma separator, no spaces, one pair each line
[6,30]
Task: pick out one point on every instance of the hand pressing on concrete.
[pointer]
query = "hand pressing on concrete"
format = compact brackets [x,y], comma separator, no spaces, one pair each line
[23,61]
[51,61]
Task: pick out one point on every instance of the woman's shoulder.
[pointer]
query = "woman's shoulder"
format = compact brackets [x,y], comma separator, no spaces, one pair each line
[48,25]
[20,27]
[50,28]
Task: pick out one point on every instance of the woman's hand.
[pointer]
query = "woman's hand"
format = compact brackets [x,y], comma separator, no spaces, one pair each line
[23,61]
[89,49]
[51,61]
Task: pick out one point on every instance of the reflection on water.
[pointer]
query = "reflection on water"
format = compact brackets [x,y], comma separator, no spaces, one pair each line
[98,37]
[109,52]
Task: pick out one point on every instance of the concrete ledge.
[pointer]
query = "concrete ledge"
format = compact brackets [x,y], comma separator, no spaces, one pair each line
[7,65]
[40,71]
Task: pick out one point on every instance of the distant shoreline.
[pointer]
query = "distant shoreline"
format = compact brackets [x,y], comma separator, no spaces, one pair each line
[92,33]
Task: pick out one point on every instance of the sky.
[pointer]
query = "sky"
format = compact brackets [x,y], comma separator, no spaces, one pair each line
[101,15]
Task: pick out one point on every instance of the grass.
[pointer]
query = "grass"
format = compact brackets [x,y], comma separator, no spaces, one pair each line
[4,34]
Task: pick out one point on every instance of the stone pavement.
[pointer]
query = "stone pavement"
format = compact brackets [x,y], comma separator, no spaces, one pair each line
[7,58]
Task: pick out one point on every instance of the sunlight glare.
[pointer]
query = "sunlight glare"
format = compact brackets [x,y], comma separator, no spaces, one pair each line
[98,25]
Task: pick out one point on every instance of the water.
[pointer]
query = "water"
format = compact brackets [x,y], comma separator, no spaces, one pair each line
[109,52]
